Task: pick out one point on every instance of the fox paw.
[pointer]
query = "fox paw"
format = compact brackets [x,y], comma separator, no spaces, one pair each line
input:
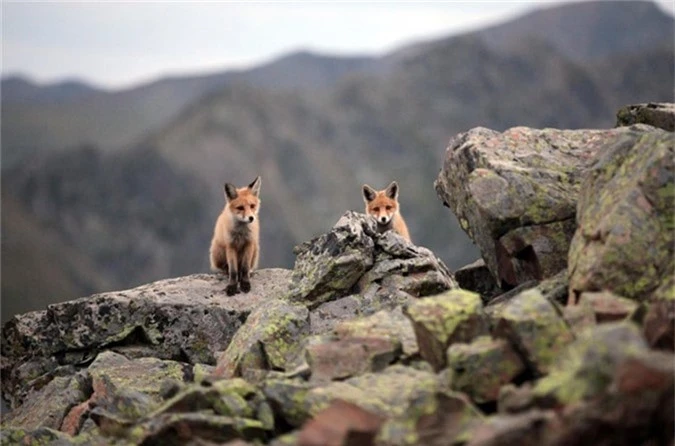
[245,286]
[231,289]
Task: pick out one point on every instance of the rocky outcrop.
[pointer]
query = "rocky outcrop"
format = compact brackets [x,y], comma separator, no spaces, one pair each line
[369,341]
[515,193]
[661,115]
[354,258]
[625,241]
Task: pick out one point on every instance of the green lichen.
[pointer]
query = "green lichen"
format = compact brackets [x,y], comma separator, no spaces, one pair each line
[482,367]
[588,365]
[530,321]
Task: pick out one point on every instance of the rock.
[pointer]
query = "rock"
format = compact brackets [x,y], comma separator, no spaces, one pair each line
[587,367]
[659,324]
[287,397]
[533,325]
[389,324]
[554,289]
[353,257]
[404,267]
[514,399]
[42,435]
[271,336]
[527,429]
[480,368]
[633,404]
[328,266]
[48,406]
[392,392]
[439,419]
[477,277]
[439,321]
[326,316]
[179,428]
[608,307]
[515,193]
[145,375]
[231,397]
[350,356]
[625,239]
[188,318]
[661,115]
[341,423]
[580,317]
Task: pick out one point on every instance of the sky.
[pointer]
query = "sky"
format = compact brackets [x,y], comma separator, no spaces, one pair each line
[118,44]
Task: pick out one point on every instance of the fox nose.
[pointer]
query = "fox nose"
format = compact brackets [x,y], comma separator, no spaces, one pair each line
[251,218]
[383,219]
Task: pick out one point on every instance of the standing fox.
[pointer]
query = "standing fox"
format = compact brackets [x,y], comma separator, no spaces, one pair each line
[235,245]
[383,205]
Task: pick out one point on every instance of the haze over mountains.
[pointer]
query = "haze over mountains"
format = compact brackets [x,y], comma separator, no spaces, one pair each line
[106,190]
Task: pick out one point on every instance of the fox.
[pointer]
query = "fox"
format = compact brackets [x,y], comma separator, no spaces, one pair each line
[383,206]
[235,246]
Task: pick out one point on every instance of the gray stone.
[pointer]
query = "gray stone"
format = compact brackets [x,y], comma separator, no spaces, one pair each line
[515,193]
[661,115]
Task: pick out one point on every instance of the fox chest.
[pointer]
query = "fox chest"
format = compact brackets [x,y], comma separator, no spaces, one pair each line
[240,236]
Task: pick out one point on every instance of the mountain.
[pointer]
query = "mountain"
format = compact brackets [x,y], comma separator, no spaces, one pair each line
[586,31]
[113,120]
[20,90]
[147,211]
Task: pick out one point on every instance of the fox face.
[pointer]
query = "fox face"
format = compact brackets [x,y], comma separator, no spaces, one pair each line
[383,205]
[243,203]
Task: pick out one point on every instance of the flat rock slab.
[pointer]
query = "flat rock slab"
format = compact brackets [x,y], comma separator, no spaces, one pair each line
[190,319]
[515,192]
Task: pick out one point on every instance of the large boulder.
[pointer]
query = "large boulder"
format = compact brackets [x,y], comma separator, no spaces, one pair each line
[515,192]
[190,319]
[625,241]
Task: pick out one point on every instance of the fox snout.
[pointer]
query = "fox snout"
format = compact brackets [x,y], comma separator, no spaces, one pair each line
[246,218]
[384,219]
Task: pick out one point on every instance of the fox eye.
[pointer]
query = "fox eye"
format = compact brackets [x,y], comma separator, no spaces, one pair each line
[376,209]
[253,206]
[389,208]
[240,208]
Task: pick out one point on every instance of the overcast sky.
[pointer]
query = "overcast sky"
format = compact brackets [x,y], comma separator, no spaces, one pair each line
[119,44]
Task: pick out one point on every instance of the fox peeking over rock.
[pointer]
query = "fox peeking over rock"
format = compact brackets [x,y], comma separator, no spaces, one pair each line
[383,206]
[236,238]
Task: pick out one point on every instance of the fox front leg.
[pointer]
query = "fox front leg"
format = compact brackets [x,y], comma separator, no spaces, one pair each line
[232,285]
[245,269]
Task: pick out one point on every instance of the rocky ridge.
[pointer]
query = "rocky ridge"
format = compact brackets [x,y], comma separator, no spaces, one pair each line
[562,334]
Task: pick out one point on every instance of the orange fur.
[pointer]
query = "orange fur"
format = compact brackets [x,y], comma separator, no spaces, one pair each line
[384,207]
[235,246]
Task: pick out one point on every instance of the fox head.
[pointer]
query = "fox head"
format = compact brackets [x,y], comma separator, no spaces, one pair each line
[243,203]
[383,204]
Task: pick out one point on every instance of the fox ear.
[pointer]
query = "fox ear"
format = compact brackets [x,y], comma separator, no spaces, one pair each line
[368,193]
[230,191]
[392,190]
[255,186]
